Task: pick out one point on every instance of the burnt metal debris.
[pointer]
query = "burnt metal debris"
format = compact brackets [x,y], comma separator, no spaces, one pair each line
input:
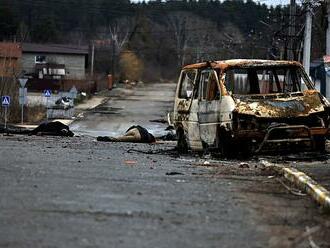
[248,106]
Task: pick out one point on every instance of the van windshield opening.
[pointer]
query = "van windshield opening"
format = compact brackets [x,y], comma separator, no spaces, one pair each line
[270,80]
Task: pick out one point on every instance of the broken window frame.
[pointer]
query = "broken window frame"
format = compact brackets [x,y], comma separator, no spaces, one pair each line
[181,94]
[204,93]
[293,71]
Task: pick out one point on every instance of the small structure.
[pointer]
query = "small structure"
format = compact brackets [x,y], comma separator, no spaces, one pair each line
[55,66]
[55,61]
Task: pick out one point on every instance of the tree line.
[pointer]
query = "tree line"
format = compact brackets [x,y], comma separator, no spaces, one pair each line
[158,36]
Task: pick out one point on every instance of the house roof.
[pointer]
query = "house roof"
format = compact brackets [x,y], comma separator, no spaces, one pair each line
[54,48]
[10,50]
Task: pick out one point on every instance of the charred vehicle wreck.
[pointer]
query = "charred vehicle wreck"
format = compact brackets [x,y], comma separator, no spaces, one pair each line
[248,106]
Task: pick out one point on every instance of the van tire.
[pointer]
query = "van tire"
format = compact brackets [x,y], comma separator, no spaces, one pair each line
[319,144]
[224,143]
[182,144]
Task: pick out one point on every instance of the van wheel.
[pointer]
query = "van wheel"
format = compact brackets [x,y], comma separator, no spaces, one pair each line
[224,144]
[182,144]
[319,144]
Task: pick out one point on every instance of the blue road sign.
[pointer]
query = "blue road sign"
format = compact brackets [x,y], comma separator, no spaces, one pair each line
[47,93]
[5,101]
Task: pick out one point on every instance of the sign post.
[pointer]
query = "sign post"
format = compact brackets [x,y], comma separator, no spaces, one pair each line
[73,92]
[47,94]
[5,100]
[22,96]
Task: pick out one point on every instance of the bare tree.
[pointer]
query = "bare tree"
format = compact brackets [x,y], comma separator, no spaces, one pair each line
[8,83]
[120,33]
[195,38]
[203,38]
[23,33]
[177,24]
[76,37]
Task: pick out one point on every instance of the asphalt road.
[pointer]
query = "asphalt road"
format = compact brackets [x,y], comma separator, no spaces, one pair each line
[127,107]
[77,192]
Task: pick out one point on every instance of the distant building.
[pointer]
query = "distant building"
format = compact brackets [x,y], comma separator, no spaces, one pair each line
[10,55]
[54,61]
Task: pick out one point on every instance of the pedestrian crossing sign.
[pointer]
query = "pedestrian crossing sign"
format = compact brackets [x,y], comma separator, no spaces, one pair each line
[5,101]
[47,93]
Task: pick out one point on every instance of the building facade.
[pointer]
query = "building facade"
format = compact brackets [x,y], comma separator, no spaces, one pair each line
[54,61]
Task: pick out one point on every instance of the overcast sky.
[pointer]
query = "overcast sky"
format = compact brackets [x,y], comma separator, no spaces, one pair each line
[269,2]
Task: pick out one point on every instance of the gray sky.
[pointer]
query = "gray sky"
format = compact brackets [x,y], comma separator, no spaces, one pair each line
[269,2]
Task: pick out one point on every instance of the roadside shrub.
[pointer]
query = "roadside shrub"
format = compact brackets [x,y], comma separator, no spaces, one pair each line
[32,114]
[35,114]
[131,66]
[9,87]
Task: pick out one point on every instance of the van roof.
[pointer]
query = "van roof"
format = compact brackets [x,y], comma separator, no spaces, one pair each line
[225,64]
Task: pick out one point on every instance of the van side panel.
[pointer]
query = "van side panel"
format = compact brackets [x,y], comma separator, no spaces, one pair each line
[209,118]
[227,107]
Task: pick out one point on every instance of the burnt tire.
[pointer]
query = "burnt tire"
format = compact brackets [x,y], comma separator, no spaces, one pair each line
[319,144]
[182,144]
[224,144]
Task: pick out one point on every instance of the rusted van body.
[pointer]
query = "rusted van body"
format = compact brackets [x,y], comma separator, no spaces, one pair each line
[248,106]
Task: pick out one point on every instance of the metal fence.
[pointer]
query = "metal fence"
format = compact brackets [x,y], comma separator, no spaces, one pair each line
[60,113]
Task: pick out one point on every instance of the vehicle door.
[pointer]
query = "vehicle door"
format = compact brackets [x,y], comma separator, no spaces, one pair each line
[186,107]
[209,106]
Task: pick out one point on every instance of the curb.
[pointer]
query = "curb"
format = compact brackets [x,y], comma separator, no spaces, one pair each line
[91,106]
[305,183]
[81,111]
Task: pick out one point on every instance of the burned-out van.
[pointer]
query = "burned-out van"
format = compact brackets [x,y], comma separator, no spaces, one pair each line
[248,106]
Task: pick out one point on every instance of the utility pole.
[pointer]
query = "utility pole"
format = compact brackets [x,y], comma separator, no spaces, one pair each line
[92,58]
[327,89]
[307,39]
[328,29]
[22,96]
[113,58]
[292,29]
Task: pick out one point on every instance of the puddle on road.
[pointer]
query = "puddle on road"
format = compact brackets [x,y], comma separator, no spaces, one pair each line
[106,110]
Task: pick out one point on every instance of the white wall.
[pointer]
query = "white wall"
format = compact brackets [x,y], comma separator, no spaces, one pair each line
[74,64]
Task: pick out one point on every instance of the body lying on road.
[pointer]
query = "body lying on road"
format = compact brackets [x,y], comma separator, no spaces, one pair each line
[55,128]
[135,134]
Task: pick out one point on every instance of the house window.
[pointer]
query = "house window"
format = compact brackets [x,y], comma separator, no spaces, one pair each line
[40,59]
